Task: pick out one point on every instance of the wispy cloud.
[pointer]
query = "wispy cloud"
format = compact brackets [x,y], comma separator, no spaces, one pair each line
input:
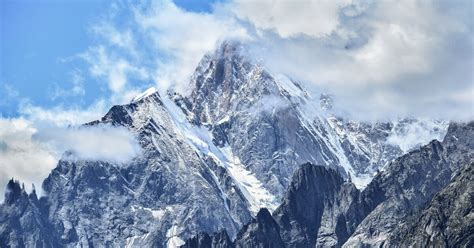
[62,116]
[77,88]
[7,93]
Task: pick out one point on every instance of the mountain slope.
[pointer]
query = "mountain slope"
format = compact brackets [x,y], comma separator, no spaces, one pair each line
[410,182]
[321,209]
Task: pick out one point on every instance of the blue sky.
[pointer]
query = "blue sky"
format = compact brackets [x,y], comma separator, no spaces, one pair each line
[39,44]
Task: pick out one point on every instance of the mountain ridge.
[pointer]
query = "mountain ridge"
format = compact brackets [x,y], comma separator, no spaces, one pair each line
[378,216]
[210,160]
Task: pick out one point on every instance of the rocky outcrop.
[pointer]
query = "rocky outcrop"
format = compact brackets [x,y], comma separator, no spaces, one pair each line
[263,231]
[203,240]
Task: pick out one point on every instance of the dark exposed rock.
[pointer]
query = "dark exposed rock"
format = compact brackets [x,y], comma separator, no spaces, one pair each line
[410,182]
[203,240]
[262,232]
[22,222]
[317,209]
[422,199]
[447,221]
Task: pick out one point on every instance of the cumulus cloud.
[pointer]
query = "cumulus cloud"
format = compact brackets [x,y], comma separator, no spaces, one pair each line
[29,151]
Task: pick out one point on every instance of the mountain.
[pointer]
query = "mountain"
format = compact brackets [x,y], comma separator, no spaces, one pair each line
[422,199]
[211,159]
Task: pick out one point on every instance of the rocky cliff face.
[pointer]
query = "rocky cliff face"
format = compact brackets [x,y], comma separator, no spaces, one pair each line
[22,220]
[410,182]
[423,198]
[447,221]
[211,159]
[318,208]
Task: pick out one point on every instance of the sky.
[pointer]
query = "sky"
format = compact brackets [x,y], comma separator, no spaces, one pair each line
[66,63]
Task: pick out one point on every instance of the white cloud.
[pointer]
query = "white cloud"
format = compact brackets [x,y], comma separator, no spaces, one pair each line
[22,157]
[29,151]
[103,142]
[291,18]
[384,59]
[414,134]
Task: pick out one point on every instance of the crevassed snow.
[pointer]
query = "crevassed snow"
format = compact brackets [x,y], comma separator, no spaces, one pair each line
[201,140]
[144,94]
